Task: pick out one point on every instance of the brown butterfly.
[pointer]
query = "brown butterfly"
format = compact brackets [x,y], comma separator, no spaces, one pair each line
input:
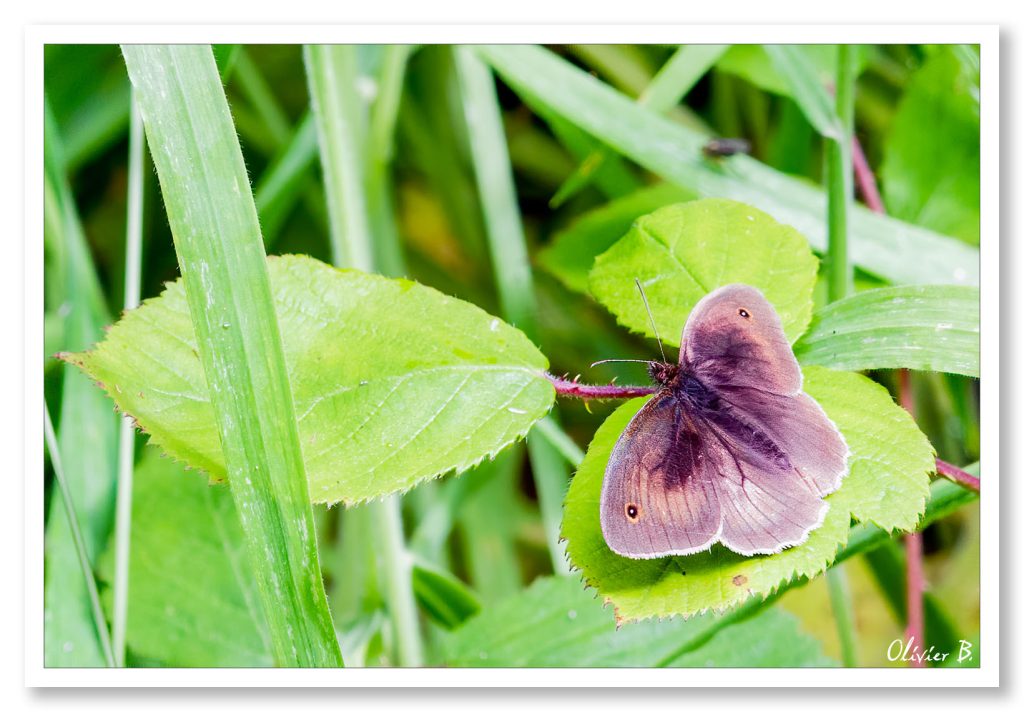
[730,449]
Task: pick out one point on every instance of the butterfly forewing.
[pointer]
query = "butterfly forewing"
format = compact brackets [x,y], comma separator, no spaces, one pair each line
[734,337]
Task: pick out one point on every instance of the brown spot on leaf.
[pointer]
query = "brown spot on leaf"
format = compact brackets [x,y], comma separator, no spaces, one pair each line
[739,580]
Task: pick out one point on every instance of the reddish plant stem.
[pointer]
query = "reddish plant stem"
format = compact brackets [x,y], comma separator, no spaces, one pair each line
[574,389]
[952,472]
[914,632]
[866,179]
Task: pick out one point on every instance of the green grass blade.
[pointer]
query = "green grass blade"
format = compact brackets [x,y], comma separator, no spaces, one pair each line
[84,566]
[332,71]
[380,149]
[337,108]
[796,68]
[259,94]
[667,88]
[87,426]
[126,444]
[837,127]
[897,251]
[511,264]
[220,252]
[280,186]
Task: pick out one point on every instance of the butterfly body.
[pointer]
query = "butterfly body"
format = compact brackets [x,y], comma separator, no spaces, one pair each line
[729,449]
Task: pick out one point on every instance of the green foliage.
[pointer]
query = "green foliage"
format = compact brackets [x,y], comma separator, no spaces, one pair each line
[444,598]
[432,384]
[88,430]
[755,64]
[891,249]
[887,484]
[556,623]
[682,252]
[571,254]
[433,175]
[927,328]
[932,170]
[192,598]
[213,220]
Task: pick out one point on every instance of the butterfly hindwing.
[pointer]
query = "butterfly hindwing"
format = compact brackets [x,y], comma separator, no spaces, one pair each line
[658,496]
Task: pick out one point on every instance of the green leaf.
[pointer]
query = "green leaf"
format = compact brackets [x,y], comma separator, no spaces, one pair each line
[557,623]
[571,254]
[682,252]
[192,598]
[897,251]
[887,485]
[806,87]
[932,168]
[446,599]
[393,382]
[754,63]
[926,328]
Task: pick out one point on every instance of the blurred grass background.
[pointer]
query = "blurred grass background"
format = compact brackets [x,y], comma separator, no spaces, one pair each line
[494,538]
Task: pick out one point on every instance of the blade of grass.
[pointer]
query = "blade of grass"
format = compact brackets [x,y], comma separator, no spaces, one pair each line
[337,108]
[380,151]
[220,252]
[560,440]
[840,178]
[808,91]
[510,263]
[840,272]
[842,611]
[331,70]
[259,94]
[126,444]
[286,179]
[897,251]
[672,82]
[87,428]
[79,541]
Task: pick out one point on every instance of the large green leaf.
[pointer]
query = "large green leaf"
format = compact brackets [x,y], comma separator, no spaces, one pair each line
[931,177]
[571,254]
[887,485]
[681,252]
[393,382]
[557,623]
[895,250]
[192,598]
[927,328]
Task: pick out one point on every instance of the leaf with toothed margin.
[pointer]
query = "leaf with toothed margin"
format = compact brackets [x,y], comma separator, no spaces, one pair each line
[393,382]
[890,459]
[557,623]
[682,252]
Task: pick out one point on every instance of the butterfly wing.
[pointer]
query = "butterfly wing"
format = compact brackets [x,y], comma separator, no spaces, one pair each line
[780,453]
[775,458]
[659,495]
[734,337]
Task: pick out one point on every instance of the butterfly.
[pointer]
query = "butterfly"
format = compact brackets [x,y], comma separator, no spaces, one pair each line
[729,449]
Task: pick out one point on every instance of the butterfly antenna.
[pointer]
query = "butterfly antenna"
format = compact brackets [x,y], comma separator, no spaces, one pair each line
[651,317]
[621,360]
